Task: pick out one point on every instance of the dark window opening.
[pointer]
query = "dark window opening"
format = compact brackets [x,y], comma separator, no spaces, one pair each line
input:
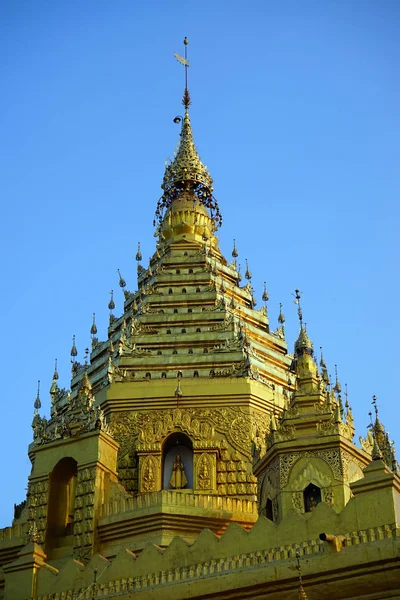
[312,497]
[269,513]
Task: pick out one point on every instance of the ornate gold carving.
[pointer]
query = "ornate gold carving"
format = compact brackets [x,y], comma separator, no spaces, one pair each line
[327,496]
[150,474]
[298,501]
[151,427]
[204,472]
[84,513]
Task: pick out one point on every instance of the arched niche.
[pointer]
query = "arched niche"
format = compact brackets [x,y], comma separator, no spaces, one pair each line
[312,496]
[177,462]
[61,506]
[310,470]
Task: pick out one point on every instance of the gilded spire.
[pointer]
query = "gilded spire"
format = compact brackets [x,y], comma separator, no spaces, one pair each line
[337,387]
[186,173]
[303,342]
[55,374]
[138,253]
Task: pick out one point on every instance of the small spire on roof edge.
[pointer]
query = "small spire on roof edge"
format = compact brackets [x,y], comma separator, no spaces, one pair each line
[235,253]
[248,273]
[265,296]
[122,282]
[55,374]
[111,304]
[74,351]
[37,405]
[281,317]
[93,329]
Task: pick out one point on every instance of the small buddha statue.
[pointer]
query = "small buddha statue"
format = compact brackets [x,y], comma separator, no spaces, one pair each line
[178,477]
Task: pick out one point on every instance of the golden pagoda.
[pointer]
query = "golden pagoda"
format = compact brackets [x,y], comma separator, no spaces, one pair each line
[194,456]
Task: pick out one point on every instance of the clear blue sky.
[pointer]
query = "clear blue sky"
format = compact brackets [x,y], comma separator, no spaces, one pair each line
[295,112]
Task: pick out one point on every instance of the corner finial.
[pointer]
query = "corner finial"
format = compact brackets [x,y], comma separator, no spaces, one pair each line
[38,403]
[281,317]
[55,374]
[235,253]
[248,273]
[122,282]
[111,304]
[93,329]
[138,253]
[74,351]
[265,296]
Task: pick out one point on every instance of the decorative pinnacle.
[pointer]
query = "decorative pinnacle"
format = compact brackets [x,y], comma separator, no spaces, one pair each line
[299,309]
[186,174]
[138,253]
[375,404]
[248,273]
[239,278]
[111,304]
[122,282]
[337,388]
[55,374]
[38,403]
[265,296]
[235,253]
[281,317]
[93,329]
[74,351]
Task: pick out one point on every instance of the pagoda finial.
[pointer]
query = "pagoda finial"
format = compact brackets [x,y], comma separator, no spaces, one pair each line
[281,317]
[74,351]
[111,304]
[93,329]
[186,175]
[297,296]
[235,253]
[55,374]
[265,296]
[122,282]
[303,342]
[337,387]
[37,403]
[138,253]
[248,273]
[184,61]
